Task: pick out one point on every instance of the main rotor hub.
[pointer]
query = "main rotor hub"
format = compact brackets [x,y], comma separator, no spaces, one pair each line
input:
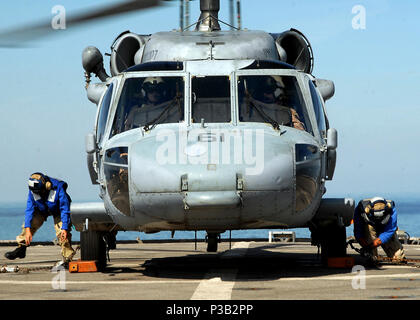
[209,17]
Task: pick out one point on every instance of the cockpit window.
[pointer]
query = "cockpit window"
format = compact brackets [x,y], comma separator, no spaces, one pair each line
[103,114]
[211,99]
[272,99]
[319,111]
[149,101]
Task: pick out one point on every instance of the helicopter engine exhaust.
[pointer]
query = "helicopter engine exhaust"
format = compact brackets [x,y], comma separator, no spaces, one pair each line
[127,51]
[294,48]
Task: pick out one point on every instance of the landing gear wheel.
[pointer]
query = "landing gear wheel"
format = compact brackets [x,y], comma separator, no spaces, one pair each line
[92,247]
[333,242]
[212,242]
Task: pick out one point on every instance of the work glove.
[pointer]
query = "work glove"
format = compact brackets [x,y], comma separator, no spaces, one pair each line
[376,243]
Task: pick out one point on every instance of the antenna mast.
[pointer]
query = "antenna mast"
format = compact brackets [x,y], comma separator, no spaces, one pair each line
[231,14]
[181,15]
[238,8]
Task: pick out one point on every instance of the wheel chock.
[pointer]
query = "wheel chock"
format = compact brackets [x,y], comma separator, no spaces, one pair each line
[340,262]
[82,266]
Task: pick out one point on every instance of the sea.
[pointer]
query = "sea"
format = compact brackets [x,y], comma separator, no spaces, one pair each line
[12,217]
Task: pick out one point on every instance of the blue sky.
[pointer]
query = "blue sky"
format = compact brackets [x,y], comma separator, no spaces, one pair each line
[45,114]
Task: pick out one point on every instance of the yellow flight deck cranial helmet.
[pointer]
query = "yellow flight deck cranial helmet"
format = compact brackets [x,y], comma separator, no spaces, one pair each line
[378,210]
[151,83]
[38,183]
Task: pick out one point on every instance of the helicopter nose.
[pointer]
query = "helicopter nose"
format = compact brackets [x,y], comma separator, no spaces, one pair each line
[196,166]
[274,168]
[232,191]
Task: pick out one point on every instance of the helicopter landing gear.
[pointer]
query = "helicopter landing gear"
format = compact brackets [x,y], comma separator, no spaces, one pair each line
[213,240]
[93,247]
[331,238]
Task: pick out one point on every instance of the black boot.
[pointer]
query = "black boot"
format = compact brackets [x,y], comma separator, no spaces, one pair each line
[19,252]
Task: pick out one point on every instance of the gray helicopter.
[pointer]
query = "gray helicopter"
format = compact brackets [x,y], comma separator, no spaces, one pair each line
[213,130]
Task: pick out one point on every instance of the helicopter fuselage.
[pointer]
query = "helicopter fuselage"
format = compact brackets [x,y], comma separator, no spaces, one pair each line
[195,174]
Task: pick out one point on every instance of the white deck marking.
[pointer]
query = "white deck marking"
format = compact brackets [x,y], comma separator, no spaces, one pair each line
[216,281]
[100,282]
[218,284]
[351,277]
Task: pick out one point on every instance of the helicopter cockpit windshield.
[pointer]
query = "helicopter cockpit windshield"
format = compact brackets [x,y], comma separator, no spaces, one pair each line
[272,99]
[211,99]
[148,101]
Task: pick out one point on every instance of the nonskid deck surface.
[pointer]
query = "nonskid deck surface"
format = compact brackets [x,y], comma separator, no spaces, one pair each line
[248,270]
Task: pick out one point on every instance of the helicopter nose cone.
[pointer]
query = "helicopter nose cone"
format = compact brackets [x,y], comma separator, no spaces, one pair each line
[264,163]
[250,184]
[273,169]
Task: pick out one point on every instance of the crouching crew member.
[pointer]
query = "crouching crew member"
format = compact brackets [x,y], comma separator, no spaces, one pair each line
[375,224]
[47,196]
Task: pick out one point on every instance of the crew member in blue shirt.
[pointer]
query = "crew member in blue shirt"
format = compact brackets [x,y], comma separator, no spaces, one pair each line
[375,224]
[47,197]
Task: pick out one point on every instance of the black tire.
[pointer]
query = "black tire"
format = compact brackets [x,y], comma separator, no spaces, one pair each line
[212,242]
[333,242]
[92,247]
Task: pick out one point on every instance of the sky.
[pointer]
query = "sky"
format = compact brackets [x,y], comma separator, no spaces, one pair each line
[45,113]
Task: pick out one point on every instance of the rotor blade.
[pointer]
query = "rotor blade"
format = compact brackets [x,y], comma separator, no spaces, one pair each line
[18,36]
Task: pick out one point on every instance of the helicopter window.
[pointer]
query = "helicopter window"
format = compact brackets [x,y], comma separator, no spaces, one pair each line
[211,99]
[103,114]
[319,111]
[116,176]
[149,101]
[308,169]
[117,186]
[272,99]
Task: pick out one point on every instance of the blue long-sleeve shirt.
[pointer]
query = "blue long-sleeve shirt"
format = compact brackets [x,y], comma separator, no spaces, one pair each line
[55,202]
[385,232]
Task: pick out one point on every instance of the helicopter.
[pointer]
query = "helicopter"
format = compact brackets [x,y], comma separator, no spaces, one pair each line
[208,129]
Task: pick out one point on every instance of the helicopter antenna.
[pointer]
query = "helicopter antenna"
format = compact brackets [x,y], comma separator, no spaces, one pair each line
[181,14]
[238,8]
[231,14]
[187,12]
[184,14]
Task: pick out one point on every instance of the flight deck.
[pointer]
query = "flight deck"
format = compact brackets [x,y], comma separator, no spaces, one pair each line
[240,270]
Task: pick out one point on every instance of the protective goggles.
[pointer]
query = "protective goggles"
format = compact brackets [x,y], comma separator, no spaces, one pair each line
[35,186]
[150,87]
